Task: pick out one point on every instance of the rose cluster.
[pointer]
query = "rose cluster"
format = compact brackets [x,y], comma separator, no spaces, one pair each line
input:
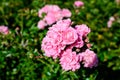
[53,13]
[70,44]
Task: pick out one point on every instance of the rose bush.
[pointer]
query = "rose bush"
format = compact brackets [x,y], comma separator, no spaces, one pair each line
[21,57]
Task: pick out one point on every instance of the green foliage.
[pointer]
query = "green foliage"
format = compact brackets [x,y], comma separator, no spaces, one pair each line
[20,51]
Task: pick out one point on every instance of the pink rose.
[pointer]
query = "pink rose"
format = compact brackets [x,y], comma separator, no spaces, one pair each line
[50,49]
[52,17]
[78,43]
[61,25]
[69,60]
[66,13]
[53,14]
[82,30]
[78,3]
[69,36]
[55,37]
[89,58]
[41,24]
[48,8]
[4,29]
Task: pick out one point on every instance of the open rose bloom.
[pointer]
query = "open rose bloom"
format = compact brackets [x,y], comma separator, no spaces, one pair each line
[69,44]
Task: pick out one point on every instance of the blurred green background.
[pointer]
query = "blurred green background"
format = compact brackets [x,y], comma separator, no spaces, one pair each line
[21,57]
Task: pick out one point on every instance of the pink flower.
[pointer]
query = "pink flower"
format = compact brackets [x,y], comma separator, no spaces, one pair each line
[48,8]
[82,30]
[79,43]
[53,13]
[78,3]
[61,25]
[4,29]
[52,43]
[89,58]
[50,49]
[59,33]
[52,17]
[69,36]
[69,60]
[41,24]
[56,32]
[55,37]
[66,13]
